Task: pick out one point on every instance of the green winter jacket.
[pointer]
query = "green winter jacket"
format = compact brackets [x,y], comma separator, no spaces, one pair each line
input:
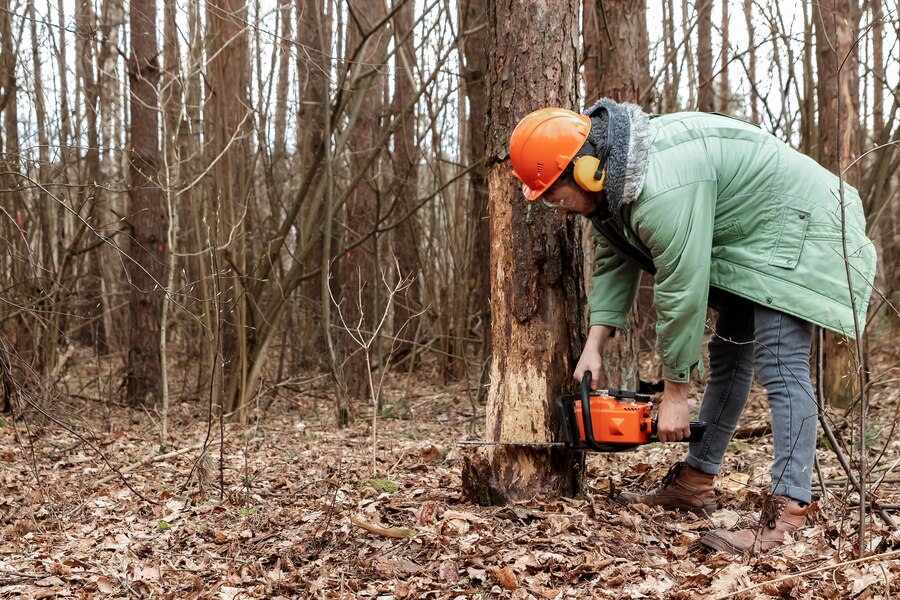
[726,204]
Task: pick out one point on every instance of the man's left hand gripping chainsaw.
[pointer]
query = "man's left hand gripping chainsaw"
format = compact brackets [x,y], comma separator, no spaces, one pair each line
[617,420]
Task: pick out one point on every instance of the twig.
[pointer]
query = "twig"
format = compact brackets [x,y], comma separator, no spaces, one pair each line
[147,461]
[842,458]
[392,532]
[890,554]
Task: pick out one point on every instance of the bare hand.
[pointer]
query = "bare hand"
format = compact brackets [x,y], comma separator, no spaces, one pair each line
[674,416]
[592,356]
[591,361]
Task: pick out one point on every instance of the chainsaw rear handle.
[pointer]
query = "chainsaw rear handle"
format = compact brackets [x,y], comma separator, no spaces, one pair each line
[697,429]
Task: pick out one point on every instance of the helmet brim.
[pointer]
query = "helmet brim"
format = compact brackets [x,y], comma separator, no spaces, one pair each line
[531,194]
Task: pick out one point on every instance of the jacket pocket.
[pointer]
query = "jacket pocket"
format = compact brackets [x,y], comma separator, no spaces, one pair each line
[794,223]
[727,232]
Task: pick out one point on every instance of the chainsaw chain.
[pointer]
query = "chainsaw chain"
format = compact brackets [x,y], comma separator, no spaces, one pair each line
[526,444]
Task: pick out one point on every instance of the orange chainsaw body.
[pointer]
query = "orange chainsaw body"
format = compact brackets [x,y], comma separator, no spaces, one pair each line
[616,422]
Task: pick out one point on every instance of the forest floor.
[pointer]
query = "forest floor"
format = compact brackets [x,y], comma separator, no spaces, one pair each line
[310,511]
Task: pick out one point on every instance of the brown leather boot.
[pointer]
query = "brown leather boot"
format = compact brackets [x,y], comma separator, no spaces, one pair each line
[682,488]
[780,516]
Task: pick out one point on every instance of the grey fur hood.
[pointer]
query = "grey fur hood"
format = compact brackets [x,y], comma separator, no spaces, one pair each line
[620,133]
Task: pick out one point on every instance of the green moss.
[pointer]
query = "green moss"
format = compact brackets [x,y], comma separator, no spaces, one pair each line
[380,485]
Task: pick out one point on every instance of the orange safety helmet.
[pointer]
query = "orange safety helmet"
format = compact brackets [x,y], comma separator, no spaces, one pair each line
[543,144]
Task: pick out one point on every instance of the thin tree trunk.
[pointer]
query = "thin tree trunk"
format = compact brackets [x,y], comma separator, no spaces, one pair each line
[537,300]
[474,26]
[314,32]
[360,293]
[724,89]
[284,76]
[226,130]
[148,247]
[91,197]
[687,31]
[591,34]
[623,73]
[878,74]
[837,58]
[809,139]
[705,96]
[406,177]
[751,69]
[673,73]
[45,255]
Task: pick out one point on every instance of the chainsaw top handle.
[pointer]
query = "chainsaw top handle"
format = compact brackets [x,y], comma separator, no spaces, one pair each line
[586,410]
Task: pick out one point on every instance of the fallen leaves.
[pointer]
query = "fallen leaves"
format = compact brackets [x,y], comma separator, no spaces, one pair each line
[292,524]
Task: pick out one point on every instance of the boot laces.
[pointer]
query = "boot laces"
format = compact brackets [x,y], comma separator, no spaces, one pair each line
[771,512]
[673,473]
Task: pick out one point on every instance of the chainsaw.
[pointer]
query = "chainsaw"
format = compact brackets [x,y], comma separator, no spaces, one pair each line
[615,421]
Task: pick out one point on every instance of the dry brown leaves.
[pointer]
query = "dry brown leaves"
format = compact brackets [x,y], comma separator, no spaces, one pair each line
[304,516]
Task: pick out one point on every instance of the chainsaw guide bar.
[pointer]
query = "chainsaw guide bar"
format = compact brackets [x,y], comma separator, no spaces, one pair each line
[525,444]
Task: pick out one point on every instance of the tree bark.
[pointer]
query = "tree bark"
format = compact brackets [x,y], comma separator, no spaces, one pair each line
[146,214]
[314,32]
[284,72]
[474,28]
[837,59]
[537,290]
[705,97]
[673,73]
[91,309]
[724,89]
[361,278]
[227,130]
[809,139]
[621,70]
[623,74]
[878,74]
[406,177]
[751,69]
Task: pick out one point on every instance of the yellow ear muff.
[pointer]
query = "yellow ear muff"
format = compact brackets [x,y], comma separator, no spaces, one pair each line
[585,173]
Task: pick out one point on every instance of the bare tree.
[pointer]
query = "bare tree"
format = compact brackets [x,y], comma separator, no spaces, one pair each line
[474,38]
[226,130]
[146,214]
[367,44]
[406,175]
[284,72]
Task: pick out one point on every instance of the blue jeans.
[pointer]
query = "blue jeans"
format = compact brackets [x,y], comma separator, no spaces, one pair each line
[751,337]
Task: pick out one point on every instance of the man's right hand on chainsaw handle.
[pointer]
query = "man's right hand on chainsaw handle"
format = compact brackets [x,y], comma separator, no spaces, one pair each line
[673,419]
[592,357]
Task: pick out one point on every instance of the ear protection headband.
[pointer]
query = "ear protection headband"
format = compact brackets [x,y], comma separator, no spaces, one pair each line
[588,170]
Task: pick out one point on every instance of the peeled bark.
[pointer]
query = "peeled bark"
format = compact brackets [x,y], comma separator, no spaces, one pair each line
[537,292]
